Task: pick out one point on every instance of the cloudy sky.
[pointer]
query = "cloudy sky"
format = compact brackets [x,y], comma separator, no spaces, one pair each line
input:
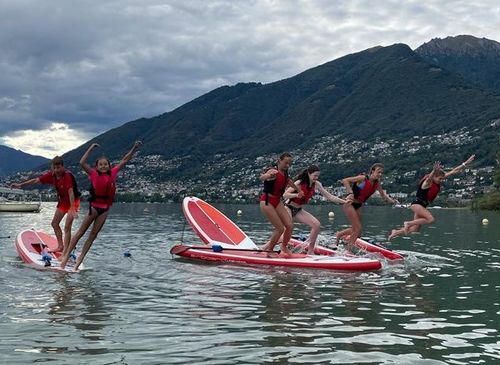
[70,70]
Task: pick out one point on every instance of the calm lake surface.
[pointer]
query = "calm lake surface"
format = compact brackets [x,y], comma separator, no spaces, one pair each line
[441,306]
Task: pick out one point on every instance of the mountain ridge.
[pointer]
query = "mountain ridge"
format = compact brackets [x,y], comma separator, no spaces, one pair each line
[13,160]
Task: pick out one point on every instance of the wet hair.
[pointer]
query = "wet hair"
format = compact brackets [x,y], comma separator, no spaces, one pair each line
[285,155]
[375,166]
[58,160]
[304,175]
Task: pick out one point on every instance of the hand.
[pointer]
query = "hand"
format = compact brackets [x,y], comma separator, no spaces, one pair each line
[73,213]
[437,166]
[272,173]
[349,198]
[300,194]
[15,186]
[93,145]
[137,144]
[394,201]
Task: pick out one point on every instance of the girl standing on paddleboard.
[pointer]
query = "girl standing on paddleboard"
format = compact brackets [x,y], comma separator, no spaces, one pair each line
[68,200]
[359,189]
[309,184]
[427,191]
[276,180]
[102,191]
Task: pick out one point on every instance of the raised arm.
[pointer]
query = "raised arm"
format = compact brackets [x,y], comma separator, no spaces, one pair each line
[460,167]
[128,156]
[83,161]
[326,194]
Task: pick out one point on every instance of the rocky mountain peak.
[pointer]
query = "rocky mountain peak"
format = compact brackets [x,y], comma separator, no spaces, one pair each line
[461,45]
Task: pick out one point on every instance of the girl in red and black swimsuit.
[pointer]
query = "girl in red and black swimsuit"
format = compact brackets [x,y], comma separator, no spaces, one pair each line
[276,180]
[427,191]
[309,184]
[102,179]
[359,189]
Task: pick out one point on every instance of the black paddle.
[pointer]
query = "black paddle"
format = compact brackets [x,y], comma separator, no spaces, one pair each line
[5,237]
[178,249]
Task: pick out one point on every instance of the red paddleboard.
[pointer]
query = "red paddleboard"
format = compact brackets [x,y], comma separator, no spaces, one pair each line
[377,249]
[212,226]
[31,246]
[218,231]
[258,257]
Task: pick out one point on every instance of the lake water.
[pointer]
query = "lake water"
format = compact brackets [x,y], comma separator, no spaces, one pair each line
[442,306]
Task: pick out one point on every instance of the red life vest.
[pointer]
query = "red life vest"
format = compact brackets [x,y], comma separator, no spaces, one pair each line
[429,194]
[308,193]
[365,189]
[276,186]
[102,189]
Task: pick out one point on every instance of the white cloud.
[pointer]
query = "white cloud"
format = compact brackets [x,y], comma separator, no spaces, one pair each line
[57,139]
[98,64]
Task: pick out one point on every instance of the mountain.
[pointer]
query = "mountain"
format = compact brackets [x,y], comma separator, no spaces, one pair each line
[381,92]
[12,161]
[387,104]
[476,59]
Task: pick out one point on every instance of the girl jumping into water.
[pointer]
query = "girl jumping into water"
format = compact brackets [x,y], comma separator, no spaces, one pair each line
[102,191]
[276,180]
[309,184]
[359,189]
[427,191]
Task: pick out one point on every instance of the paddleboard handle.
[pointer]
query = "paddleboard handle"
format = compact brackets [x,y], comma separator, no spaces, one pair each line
[217,248]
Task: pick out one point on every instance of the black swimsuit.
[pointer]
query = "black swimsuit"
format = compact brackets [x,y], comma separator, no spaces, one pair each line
[293,209]
[98,210]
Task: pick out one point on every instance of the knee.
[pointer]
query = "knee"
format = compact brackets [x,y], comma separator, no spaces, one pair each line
[55,225]
[316,225]
[280,230]
[431,220]
[289,226]
[92,236]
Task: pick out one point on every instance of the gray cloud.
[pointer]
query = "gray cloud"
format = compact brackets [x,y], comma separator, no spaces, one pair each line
[95,65]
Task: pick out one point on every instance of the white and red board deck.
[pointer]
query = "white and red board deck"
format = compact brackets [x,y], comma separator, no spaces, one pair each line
[29,245]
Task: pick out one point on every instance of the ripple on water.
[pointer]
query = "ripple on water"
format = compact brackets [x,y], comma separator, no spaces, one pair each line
[151,308]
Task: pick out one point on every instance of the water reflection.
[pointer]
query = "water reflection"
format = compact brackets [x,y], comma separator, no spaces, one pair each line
[439,306]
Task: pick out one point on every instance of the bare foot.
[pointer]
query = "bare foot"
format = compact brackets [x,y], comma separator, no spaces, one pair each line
[58,249]
[285,254]
[393,234]
[310,252]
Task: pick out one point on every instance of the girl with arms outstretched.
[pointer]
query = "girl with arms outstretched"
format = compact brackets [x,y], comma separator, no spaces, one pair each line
[102,191]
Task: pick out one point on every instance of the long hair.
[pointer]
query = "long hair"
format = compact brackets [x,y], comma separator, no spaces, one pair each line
[303,177]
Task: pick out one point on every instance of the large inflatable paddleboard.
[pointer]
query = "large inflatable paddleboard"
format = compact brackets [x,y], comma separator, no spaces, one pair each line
[258,257]
[225,241]
[33,246]
[213,226]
